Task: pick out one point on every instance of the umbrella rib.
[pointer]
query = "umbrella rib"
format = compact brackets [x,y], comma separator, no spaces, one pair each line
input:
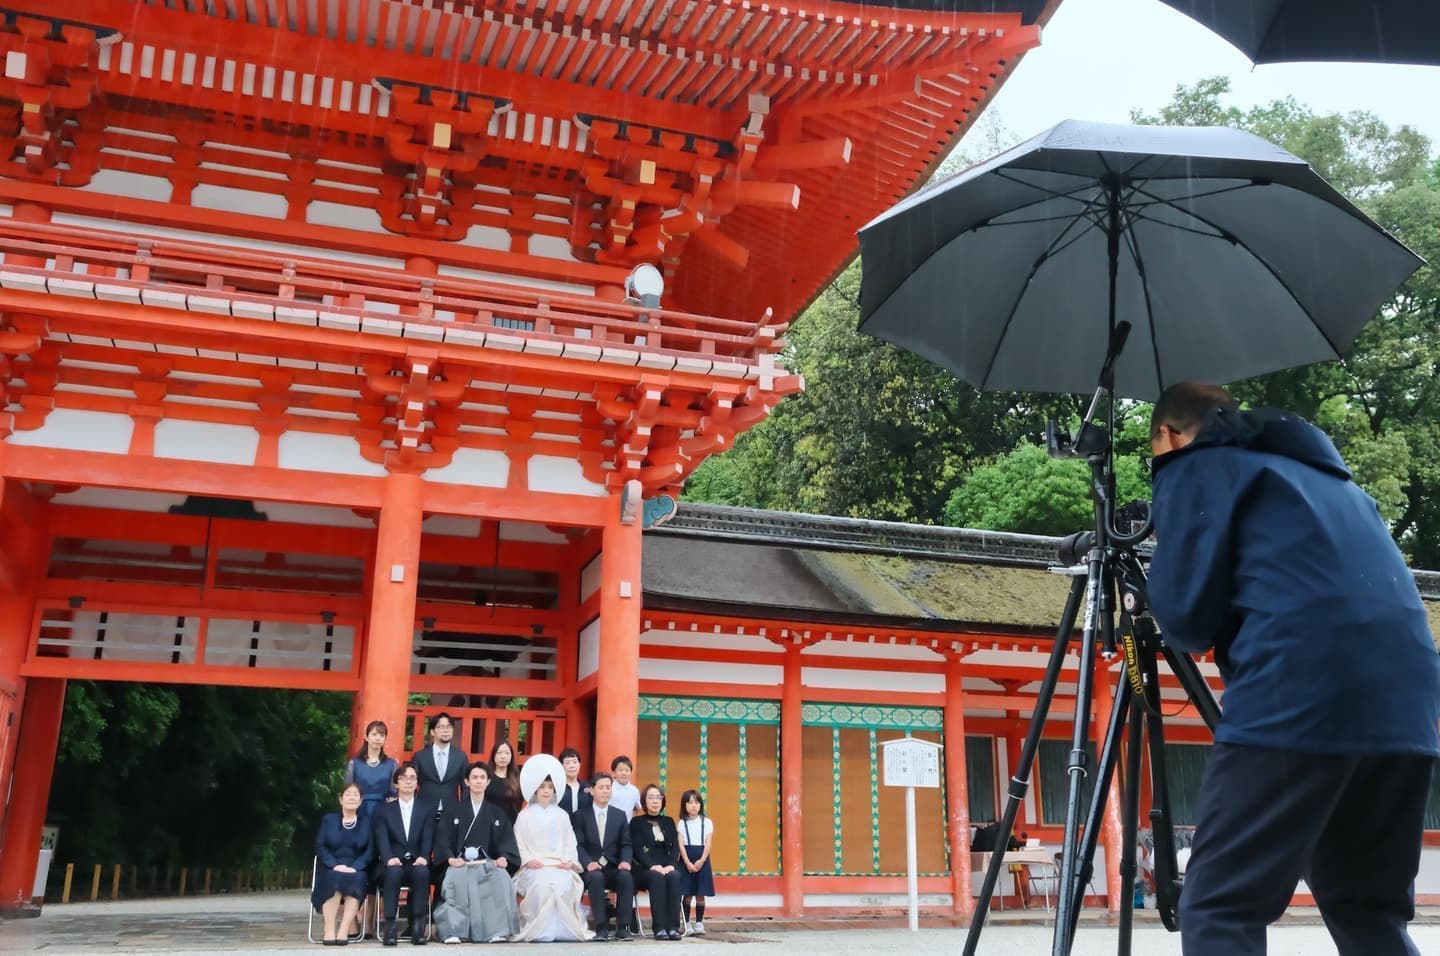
[1055,246]
[1213,192]
[1132,243]
[1236,240]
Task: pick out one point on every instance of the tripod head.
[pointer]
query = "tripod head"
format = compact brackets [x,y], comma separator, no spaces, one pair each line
[1095,443]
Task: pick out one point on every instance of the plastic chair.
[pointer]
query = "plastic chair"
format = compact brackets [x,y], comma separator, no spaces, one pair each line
[360,915]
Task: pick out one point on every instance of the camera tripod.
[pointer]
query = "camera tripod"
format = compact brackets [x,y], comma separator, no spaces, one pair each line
[1104,565]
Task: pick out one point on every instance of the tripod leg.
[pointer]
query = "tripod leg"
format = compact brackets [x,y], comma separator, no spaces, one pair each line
[1109,757]
[1130,828]
[1098,614]
[1020,779]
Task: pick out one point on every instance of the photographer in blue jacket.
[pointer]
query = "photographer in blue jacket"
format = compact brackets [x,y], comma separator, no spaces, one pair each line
[1269,555]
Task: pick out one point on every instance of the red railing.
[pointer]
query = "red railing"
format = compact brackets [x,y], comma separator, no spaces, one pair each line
[215,279]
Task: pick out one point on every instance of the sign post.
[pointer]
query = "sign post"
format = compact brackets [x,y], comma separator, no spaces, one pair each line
[911,762]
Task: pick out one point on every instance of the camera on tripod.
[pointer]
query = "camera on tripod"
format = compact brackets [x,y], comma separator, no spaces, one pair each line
[1133,517]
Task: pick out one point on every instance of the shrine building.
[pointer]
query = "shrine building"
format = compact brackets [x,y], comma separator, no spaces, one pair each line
[352,345]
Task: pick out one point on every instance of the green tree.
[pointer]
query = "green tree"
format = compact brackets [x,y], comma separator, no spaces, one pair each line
[151,775]
[1381,403]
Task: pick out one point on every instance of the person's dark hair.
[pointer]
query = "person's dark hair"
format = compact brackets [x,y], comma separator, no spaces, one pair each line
[511,780]
[364,751]
[645,795]
[1183,406]
[443,715]
[685,802]
[615,764]
[478,763]
[570,752]
[602,775]
[400,771]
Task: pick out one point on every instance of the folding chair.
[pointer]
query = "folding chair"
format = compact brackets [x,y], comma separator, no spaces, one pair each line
[360,915]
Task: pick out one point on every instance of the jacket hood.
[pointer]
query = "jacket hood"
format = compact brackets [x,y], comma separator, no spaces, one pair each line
[1270,430]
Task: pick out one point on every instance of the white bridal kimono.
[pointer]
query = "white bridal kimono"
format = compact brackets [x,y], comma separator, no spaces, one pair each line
[550,908]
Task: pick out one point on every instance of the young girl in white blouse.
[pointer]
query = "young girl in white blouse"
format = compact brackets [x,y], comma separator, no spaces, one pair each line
[698,881]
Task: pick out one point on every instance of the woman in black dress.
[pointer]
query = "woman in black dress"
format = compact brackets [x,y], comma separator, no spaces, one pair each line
[657,862]
[504,789]
[343,852]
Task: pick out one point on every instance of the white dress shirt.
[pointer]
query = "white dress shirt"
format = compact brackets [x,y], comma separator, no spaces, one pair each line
[405,807]
[442,759]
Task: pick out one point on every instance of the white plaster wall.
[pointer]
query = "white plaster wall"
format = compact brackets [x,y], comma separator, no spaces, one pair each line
[80,430]
[749,644]
[876,650]
[552,285]
[1427,881]
[206,441]
[332,454]
[229,199]
[589,652]
[763,675]
[527,531]
[478,467]
[114,182]
[552,247]
[590,578]
[487,237]
[872,680]
[342,216]
[452,525]
[562,476]
[190,235]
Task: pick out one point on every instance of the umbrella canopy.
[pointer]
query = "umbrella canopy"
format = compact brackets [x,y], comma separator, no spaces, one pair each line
[1281,31]
[1230,258]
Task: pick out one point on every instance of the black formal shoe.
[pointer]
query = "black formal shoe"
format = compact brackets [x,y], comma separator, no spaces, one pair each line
[603,936]
[389,933]
[624,934]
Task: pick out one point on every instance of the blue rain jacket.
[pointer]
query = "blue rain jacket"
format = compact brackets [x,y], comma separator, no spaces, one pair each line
[1269,553]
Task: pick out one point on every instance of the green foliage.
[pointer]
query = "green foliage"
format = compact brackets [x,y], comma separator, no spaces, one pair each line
[1380,404]
[1026,490]
[150,775]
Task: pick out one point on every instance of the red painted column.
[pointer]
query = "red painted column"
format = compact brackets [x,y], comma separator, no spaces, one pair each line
[792,781]
[389,632]
[1110,826]
[617,697]
[957,788]
[29,793]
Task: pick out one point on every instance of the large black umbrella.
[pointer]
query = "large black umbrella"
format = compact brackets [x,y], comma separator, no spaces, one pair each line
[1280,31]
[1228,256]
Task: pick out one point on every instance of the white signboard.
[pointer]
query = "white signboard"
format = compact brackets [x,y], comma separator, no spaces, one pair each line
[911,762]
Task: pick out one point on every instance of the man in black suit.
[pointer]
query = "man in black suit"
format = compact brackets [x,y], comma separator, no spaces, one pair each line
[602,840]
[574,792]
[441,766]
[405,836]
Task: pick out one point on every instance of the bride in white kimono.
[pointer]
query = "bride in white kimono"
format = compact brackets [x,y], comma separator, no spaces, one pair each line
[548,879]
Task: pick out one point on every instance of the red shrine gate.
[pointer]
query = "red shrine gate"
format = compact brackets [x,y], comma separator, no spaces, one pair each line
[342,342]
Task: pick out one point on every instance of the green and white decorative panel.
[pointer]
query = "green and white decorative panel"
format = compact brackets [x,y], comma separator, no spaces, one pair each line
[664,752]
[704,761]
[872,716]
[874,807]
[835,782]
[744,759]
[709,710]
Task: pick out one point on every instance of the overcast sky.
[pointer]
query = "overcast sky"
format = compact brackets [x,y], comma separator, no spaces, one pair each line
[1098,59]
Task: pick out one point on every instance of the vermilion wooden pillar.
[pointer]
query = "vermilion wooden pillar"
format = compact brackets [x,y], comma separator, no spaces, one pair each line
[29,793]
[1110,826]
[957,789]
[617,697]
[389,632]
[792,776]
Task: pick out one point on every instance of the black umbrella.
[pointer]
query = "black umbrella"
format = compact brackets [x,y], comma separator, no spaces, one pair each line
[1280,31]
[1228,256]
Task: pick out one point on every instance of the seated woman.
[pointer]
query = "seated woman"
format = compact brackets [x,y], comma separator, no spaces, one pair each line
[549,879]
[657,862]
[343,851]
[478,842]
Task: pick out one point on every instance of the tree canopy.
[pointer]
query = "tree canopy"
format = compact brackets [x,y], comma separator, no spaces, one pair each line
[880,433]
